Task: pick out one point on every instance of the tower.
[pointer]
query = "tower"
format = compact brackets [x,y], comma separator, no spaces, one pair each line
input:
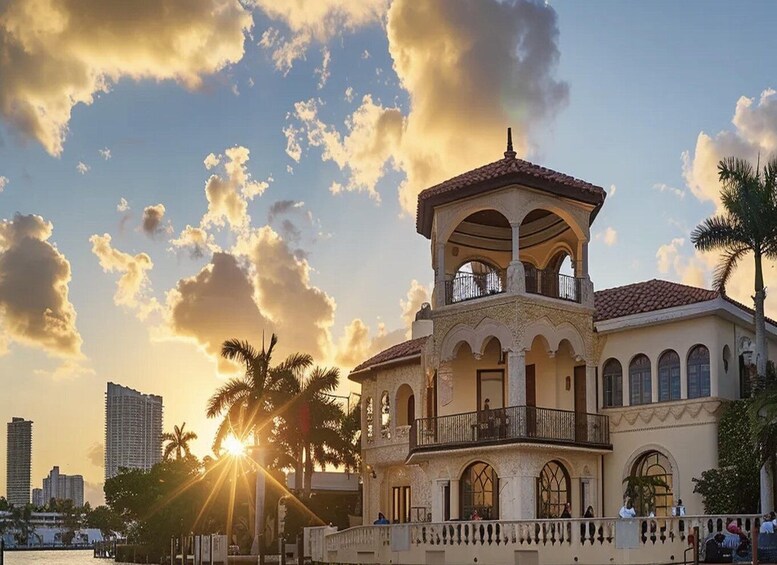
[19,457]
[133,429]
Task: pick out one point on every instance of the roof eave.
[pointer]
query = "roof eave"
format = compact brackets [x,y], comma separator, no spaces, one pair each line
[425,215]
[359,375]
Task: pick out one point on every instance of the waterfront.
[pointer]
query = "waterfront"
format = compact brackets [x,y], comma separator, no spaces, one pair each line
[76,557]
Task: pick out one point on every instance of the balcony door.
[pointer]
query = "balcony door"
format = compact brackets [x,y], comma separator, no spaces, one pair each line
[491,387]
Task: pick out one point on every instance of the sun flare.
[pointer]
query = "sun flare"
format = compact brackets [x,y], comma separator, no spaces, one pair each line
[233,446]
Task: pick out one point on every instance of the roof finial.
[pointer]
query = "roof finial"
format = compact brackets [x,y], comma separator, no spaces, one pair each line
[510,154]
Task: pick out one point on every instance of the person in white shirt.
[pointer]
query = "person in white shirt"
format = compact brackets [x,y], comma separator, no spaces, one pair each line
[767,526]
[627,511]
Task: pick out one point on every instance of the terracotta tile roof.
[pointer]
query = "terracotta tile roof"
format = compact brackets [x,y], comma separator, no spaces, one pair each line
[498,174]
[646,296]
[408,348]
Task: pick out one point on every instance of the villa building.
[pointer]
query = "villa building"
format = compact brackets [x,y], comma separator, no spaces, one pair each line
[524,389]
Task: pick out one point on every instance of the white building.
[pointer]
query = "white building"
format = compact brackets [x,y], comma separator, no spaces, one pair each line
[523,390]
[133,429]
[18,462]
[62,487]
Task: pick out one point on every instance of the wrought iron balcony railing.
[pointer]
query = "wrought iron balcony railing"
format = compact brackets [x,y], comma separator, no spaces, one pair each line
[510,425]
[552,284]
[466,286]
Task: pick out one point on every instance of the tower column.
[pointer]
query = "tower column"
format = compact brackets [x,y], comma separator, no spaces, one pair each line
[516,378]
[516,277]
[439,278]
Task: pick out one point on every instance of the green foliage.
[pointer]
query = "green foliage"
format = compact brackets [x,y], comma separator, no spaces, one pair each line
[733,487]
[642,491]
[105,520]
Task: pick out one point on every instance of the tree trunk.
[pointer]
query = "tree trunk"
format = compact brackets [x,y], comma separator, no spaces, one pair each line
[298,472]
[761,359]
[308,472]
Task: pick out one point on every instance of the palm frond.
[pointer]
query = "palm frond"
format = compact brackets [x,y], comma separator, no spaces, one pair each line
[235,349]
[234,390]
[717,232]
[726,266]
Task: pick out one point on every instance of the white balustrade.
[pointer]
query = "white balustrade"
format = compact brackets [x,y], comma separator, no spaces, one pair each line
[566,535]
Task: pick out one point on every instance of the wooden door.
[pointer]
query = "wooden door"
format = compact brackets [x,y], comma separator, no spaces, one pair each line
[531,402]
[581,418]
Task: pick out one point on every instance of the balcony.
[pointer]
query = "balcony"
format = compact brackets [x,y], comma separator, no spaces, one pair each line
[470,286]
[516,424]
[552,284]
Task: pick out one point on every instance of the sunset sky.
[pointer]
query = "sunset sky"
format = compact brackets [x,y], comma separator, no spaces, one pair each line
[177,172]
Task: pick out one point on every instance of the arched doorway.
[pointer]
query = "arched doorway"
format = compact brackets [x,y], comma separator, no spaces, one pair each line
[479,491]
[552,490]
[651,477]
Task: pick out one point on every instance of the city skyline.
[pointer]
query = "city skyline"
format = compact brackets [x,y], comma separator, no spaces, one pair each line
[234,169]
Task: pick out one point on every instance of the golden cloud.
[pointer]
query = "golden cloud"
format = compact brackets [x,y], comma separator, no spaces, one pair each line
[456,59]
[35,309]
[54,55]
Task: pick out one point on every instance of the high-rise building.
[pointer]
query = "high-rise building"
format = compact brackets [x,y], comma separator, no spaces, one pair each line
[37,498]
[133,429]
[18,461]
[62,487]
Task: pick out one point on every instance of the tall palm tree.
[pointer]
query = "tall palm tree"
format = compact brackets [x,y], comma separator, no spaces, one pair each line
[748,224]
[178,443]
[311,427]
[249,404]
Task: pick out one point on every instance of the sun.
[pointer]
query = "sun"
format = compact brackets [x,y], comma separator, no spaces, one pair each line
[234,446]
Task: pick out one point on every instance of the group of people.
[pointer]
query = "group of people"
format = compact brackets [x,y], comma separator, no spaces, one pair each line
[769,524]
[628,511]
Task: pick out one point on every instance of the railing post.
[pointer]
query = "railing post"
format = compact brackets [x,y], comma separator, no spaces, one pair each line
[696,543]
[753,536]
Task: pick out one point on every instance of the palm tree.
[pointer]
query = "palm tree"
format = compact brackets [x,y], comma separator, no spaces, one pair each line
[178,443]
[747,225]
[310,429]
[249,404]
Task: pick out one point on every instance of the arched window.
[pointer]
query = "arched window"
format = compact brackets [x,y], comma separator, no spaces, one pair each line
[669,376]
[405,405]
[654,494]
[613,383]
[553,490]
[639,381]
[385,415]
[479,491]
[369,416]
[699,372]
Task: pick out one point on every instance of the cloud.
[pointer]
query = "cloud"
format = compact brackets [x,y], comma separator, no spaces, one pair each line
[123,205]
[661,187]
[455,59]
[215,305]
[349,94]
[357,345]
[612,191]
[365,55]
[3,183]
[609,236]
[197,240]
[754,131]
[82,168]
[133,286]
[69,369]
[317,21]
[323,71]
[35,309]
[152,220]
[416,295]
[105,153]
[55,55]
[293,147]
[228,194]
[96,454]
[692,270]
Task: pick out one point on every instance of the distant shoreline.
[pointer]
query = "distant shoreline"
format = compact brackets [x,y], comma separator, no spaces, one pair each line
[51,548]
